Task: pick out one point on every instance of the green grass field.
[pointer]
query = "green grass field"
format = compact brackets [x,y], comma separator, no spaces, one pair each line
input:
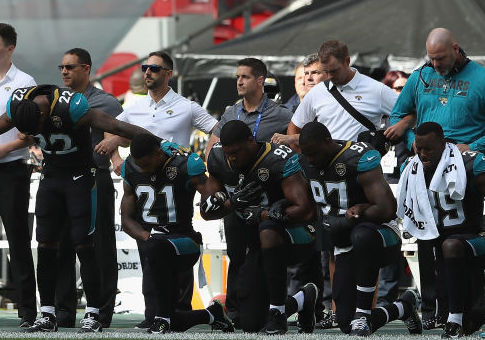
[123,328]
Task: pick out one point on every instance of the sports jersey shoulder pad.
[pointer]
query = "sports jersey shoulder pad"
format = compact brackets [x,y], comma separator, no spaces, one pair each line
[127,169]
[474,161]
[78,106]
[16,97]
[195,165]
[359,156]
[292,166]
[371,159]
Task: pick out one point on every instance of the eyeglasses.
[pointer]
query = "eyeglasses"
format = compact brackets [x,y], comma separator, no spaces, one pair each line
[68,67]
[153,68]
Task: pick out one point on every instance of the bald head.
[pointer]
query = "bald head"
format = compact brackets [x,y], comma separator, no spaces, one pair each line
[440,36]
[442,50]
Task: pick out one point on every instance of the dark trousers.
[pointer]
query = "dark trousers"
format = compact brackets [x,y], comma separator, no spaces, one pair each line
[105,248]
[14,204]
[185,283]
[239,238]
[307,271]
[433,290]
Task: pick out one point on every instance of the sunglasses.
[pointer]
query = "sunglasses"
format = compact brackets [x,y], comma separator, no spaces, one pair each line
[153,68]
[68,67]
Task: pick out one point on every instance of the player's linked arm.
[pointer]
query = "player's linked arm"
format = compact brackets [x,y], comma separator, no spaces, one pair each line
[5,123]
[301,207]
[128,213]
[382,204]
[103,121]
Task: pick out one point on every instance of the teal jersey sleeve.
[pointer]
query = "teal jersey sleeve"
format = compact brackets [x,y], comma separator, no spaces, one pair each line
[123,172]
[78,107]
[369,160]
[479,164]
[9,114]
[403,165]
[195,165]
[292,166]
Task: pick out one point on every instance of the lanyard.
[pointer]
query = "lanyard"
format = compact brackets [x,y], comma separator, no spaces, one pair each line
[258,120]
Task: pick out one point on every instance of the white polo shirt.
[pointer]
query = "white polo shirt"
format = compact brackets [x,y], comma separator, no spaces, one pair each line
[13,80]
[172,118]
[370,97]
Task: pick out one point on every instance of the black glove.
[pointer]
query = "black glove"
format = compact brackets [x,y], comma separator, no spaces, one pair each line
[277,211]
[252,214]
[246,196]
[214,202]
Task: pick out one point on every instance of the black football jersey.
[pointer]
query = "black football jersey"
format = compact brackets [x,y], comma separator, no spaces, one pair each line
[274,163]
[460,216]
[336,188]
[165,198]
[64,144]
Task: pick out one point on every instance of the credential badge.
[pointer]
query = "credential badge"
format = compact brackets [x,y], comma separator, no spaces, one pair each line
[171,172]
[341,169]
[263,174]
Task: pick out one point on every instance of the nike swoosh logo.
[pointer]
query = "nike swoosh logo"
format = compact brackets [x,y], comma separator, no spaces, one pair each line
[79,100]
[371,158]
[76,177]
[196,158]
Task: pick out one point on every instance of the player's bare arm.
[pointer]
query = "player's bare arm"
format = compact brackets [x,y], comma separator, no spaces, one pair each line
[296,191]
[128,213]
[103,121]
[5,123]
[383,205]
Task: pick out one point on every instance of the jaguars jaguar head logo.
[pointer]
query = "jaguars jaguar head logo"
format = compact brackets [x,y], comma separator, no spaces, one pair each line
[340,169]
[263,174]
[171,172]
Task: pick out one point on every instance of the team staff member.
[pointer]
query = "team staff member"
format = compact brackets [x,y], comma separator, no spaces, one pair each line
[265,118]
[60,119]
[312,75]
[14,191]
[165,114]
[370,97]
[75,70]
[449,92]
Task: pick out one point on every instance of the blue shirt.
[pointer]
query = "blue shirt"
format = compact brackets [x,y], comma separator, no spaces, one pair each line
[457,103]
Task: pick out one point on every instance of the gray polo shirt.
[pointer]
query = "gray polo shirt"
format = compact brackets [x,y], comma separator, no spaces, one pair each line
[274,119]
[98,99]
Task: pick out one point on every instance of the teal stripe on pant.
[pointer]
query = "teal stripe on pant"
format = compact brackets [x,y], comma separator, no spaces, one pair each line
[389,238]
[299,235]
[185,246]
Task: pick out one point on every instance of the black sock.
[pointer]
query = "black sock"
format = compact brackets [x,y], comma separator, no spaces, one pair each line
[291,306]
[274,263]
[181,321]
[455,272]
[382,315]
[46,275]
[89,275]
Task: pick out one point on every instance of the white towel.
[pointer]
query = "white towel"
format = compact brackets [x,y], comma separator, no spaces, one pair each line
[412,195]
